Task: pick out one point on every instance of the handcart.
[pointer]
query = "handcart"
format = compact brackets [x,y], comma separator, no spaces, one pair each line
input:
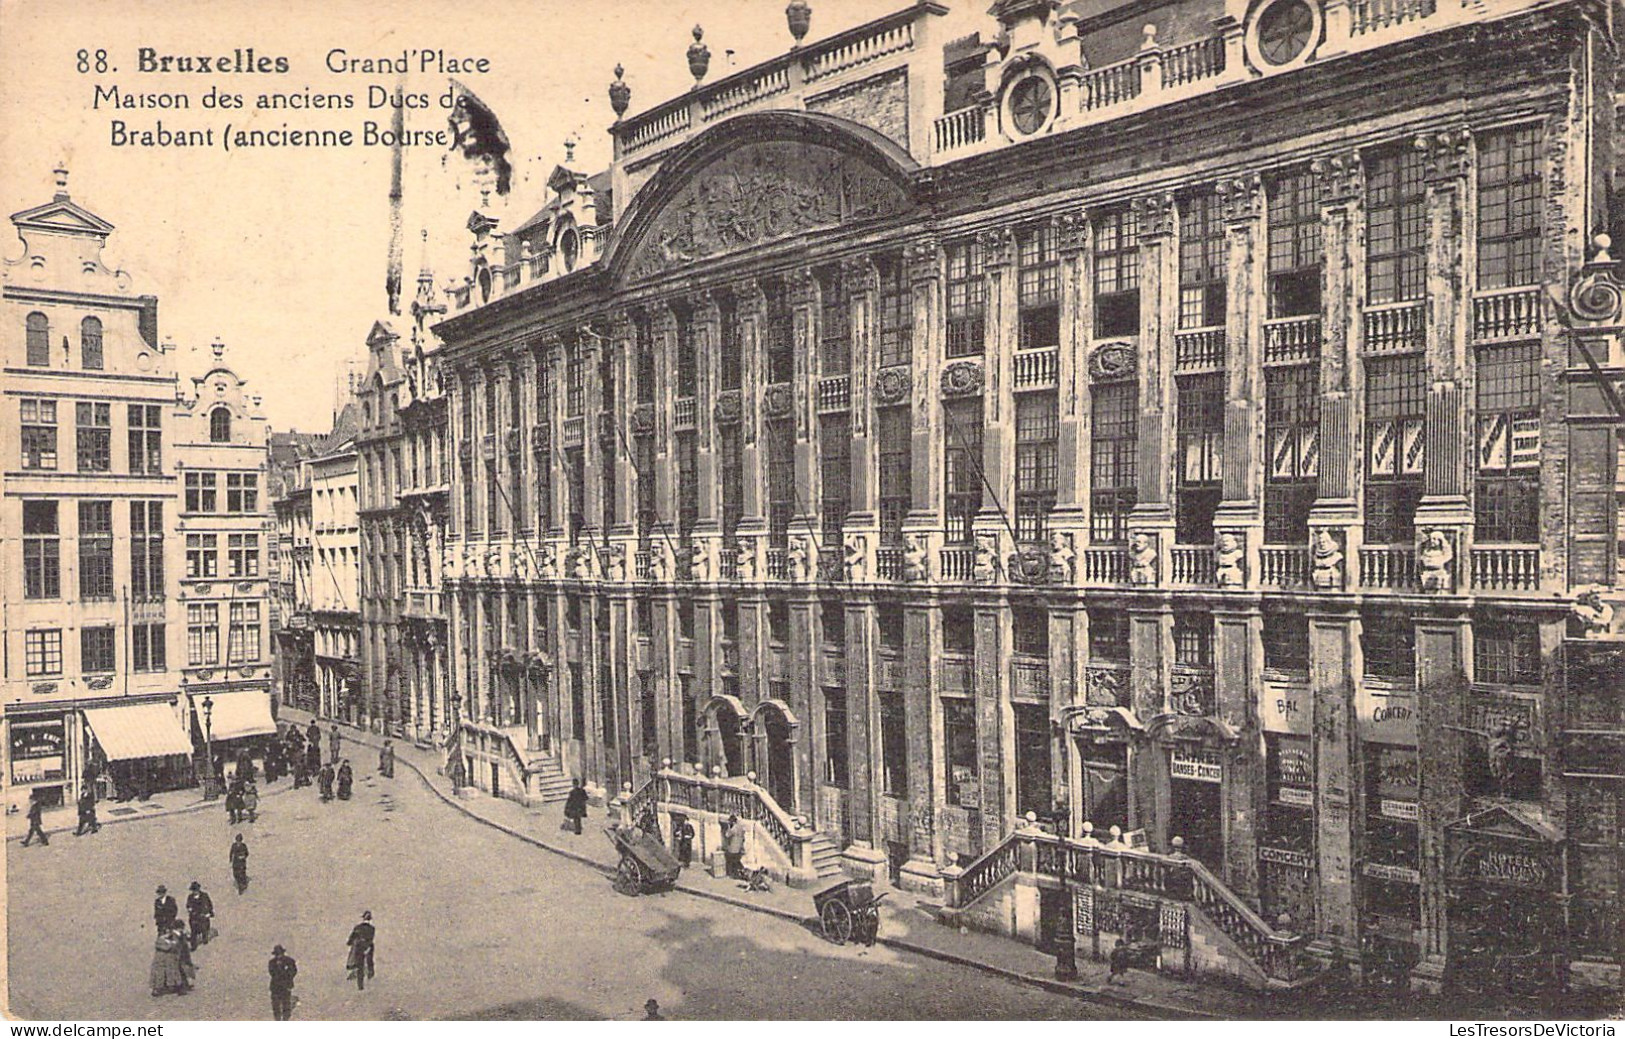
[646,866]
[849,910]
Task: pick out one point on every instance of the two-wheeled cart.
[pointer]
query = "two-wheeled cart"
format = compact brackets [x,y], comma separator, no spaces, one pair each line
[849,910]
[646,866]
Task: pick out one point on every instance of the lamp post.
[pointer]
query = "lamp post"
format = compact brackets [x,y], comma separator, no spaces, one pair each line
[211,789]
[1066,954]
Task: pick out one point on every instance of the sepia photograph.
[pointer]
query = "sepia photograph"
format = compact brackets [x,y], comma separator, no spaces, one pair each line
[734,510]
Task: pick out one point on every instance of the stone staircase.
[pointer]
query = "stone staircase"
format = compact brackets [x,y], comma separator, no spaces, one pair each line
[544,779]
[826,857]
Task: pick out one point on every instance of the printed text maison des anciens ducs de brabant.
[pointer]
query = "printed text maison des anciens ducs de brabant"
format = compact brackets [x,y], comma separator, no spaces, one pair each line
[242,98]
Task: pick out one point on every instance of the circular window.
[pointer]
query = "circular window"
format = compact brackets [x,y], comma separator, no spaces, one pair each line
[1285,31]
[1031,101]
[571,248]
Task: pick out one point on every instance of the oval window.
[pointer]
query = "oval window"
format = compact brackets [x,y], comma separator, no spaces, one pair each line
[1030,103]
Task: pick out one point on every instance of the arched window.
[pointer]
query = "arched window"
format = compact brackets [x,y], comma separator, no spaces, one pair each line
[220,426]
[90,343]
[39,340]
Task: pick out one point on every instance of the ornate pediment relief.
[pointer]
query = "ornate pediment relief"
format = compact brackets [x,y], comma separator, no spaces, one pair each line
[758,193]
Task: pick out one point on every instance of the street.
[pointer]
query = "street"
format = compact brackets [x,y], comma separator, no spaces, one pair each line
[471,924]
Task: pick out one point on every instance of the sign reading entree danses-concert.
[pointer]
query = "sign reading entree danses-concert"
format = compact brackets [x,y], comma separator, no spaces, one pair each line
[1197,765]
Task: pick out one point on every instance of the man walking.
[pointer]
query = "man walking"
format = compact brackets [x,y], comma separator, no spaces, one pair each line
[685,843]
[36,813]
[334,740]
[324,782]
[733,847]
[164,910]
[239,863]
[386,760]
[575,806]
[87,813]
[199,914]
[313,735]
[313,757]
[362,941]
[282,969]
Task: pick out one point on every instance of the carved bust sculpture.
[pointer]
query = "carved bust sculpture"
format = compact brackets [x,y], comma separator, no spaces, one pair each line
[1434,554]
[699,562]
[745,560]
[1594,615]
[1328,559]
[1142,558]
[916,564]
[987,559]
[799,555]
[1062,559]
[1227,557]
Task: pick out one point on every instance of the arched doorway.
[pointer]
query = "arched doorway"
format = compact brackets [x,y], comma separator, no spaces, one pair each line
[724,736]
[776,729]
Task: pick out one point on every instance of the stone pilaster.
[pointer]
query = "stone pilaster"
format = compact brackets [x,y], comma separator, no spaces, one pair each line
[1238,684]
[924,261]
[1241,512]
[1159,287]
[1335,521]
[1443,646]
[923,733]
[1076,323]
[1335,663]
[998,426]
[1151,656]
[995,740]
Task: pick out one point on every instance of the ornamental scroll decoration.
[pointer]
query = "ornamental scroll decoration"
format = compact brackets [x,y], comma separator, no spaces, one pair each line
[1191,692]
[730,408]
[1597,295]
[1240,198]
[1106,687]
[1444,154]
[892,385]
[643,419]
[761,192]
[962,379]
[1338,177]
[1110,361]
[777,400]
[1156,214]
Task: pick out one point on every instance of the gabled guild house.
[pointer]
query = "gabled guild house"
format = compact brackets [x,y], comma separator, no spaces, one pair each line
[1144,470]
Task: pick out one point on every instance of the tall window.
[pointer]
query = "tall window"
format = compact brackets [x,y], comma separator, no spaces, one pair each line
[1193,640]
[220,426]
[1029,631]
[1117,274]
[834,323]
[42,551]
[1286,642]
[967,298]
[39,434]
[896,313]
[202,634]
[1388,643]
[731,470]
[1292,438]
[575,382]
[243,640]
[1201,262]
[1509,197]
[1396,226]
[608,446]
[1033,788]
[781,482]
[146,439]
[835,468]
[1038,287]
[1506,653]
[643,344]
[146,551]
[575,468]
[97,650]
[643,448]
[1113,442]
[836,758]
[90,343]
[1201,446]
[494,510]
[201,492]
[896,475]
[147,648]
[959,739]
[202,555]
[778,334]
[893,744]
[42,652]
[542,448]
[962,471]
[1108,635]
[95,550]
[242,492]
[688,486]
[687,353]
[39,340]
[730,359]
[1038,434]
[1506,501]
[243,551]
[1295,254]
[94,436]
[1395,392]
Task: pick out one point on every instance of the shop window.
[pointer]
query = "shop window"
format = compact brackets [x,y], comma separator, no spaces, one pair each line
[959,737]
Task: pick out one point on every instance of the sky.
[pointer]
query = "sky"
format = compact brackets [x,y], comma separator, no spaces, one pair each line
[282,253]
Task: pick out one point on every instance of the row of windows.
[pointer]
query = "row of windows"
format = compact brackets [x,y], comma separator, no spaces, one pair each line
[203,555]
[243,644]
[242,492]
[37,333]
[93,436]
[42,550]
[98,650]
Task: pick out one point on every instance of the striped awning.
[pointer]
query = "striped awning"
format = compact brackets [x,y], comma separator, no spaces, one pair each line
[142,730]
[233,715]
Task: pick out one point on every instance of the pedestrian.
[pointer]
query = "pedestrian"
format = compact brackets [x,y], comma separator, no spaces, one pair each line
[324,782]
[164,909]
[313,758]
[333,742]
[36,813]
[313,735]
[169,970]
[300,777]
[685,843]
[362,943]
[199,914]
[245,767]
[87,812]
[575,805]
[733,847]
[234,803]
[239,863]
[651,1011]
[282,969]
[346,780]
[1118,961]
[273,766]
[456,773]
[386,760]
[251,802]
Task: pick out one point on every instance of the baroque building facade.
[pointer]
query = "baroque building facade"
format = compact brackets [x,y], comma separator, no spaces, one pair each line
[1174,422]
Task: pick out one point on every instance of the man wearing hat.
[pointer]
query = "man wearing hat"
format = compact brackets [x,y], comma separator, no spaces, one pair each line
[651,1011]
[282,969]
[164,910]
[199,913]
[361,942]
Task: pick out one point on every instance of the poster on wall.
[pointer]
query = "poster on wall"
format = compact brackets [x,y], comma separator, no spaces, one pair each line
[36,750]
[1198,765]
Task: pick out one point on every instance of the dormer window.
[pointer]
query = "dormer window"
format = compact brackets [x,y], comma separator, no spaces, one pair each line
[1030,102]
[220,426]
[570,248]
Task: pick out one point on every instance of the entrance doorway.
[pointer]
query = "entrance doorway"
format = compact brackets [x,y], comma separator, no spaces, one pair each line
[1195,814]
[724,745]
[780,759]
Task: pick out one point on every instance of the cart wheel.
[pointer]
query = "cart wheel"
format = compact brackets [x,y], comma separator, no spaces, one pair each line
[837,921]
[628,877]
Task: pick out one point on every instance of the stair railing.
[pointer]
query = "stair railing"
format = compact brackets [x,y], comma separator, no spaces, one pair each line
[737,795]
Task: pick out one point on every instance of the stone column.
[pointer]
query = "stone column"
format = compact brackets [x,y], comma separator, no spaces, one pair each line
[1077,328]
[749,306]
[1443,645]
[618,436]
[925,272]
[863,299]
[998,407]
[1238,676]
[922,645]
[867,855]
[1335,522]
[1151,656]
[1241,512]
[995,738]
[1335,665]
[1153,513]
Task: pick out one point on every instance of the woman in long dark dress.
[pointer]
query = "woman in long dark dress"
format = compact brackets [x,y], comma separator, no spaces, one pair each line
[171,962]
[346,780]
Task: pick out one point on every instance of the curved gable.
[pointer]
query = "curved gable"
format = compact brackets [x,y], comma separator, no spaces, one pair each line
[756,179]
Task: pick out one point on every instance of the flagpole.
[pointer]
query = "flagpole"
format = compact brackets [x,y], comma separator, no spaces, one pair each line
[392,280]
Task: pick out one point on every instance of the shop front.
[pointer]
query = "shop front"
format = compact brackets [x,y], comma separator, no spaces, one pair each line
[143,748]
[1506,877]
[233,725]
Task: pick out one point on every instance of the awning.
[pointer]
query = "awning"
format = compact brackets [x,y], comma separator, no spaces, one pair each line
[233,715]
[143,730]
